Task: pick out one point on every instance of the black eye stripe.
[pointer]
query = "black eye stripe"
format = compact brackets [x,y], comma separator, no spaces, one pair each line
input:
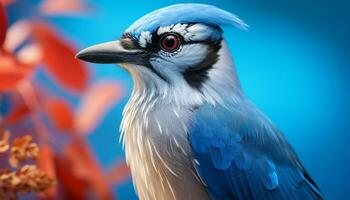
[129,42]
[198,74]
[155,45]
[156,40]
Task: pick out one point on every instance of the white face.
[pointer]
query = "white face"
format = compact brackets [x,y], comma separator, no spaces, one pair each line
[180,54]
[184,63]
[172,65]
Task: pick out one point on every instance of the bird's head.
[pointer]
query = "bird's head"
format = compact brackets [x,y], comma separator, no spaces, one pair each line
[173,50]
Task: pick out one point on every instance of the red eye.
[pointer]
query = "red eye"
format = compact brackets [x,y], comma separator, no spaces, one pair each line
[170,43]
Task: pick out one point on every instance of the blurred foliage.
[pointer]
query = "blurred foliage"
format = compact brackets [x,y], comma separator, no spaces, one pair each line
[35,113]
[21,177]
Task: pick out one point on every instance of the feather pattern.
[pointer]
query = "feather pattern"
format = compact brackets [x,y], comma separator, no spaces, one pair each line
[156,144]
[241,155]
[155,124]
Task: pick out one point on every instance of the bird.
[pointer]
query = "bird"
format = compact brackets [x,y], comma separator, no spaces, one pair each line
[188,130]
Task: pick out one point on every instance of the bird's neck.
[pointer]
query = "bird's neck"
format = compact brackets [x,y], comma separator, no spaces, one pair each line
[222,86]
[155,126]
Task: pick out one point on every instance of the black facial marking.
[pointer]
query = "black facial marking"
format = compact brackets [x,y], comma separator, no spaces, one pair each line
[198,74]
[155,46]
[128,42]
[195,75]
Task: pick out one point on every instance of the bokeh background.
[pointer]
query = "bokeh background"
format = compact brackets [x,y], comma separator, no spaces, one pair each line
[293,62]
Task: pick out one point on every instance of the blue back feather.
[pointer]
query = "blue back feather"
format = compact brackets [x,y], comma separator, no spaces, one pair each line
[184,13]
[240,155]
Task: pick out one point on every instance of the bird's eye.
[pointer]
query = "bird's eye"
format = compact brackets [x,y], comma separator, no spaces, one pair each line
[170,42]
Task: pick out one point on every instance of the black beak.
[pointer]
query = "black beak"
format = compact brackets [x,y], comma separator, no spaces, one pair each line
[113,52]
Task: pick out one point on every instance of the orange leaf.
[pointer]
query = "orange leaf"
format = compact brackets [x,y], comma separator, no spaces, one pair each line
[60,113]
[17,33]
[62,7]
[118,174]
[59,57]
[30,54]
[7,2]
[73,186]
[17,114]
[9,79]
[46,163]
[96,102]
[3,24]
[11,72]
[85,166]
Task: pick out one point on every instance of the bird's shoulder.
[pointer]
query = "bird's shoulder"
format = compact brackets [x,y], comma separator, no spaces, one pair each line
[241,122]
[240,154]
[239,127]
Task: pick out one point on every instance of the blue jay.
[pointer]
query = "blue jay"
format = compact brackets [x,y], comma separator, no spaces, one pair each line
[189,131]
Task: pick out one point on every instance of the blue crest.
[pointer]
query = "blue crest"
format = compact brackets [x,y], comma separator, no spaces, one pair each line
[184,13]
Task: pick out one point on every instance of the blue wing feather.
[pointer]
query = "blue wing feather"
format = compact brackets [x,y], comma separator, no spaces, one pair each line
[241,155]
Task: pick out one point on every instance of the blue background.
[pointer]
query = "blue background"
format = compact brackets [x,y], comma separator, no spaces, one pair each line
[293,63]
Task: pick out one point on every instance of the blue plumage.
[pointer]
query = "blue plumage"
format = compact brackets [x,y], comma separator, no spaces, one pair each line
[187,112]
[241,155]
[184,13]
